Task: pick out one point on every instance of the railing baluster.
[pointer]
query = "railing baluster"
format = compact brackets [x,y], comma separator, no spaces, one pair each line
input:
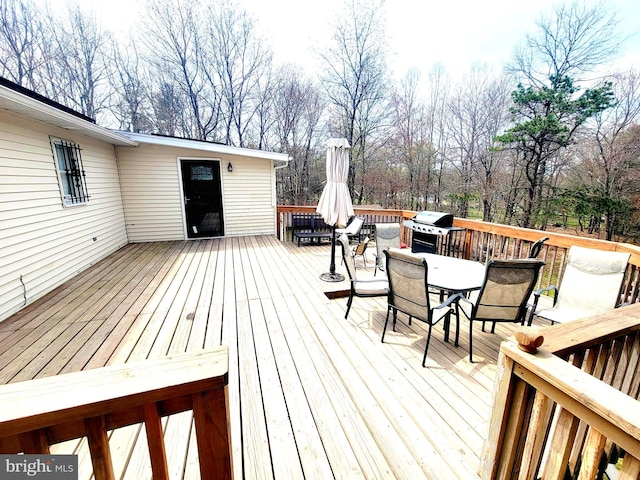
[539,423]
[630,468]
[34,442]
[96,431]
[561,445]
[155,440]
[591,455]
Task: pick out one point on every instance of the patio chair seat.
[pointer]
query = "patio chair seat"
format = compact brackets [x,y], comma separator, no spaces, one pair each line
[371,287]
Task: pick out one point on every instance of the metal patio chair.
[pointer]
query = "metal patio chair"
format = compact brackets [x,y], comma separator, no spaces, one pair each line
[359,288]
[409,294]
[503,296]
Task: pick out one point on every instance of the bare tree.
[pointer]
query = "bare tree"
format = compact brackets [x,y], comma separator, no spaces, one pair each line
[608,167]
[130,104]
[168,112]
[356,84]
[298,108]
[173,37]
[410,141]
[572,42]
[478,111]
[82,66]
[438,134]
[240,60]
[21,42]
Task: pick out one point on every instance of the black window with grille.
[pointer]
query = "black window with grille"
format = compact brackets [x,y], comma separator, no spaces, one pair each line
[70,172]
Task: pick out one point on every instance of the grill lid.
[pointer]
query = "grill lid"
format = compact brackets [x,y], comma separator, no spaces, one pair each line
[437,219]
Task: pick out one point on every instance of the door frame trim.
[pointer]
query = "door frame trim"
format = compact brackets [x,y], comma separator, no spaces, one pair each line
[183,209]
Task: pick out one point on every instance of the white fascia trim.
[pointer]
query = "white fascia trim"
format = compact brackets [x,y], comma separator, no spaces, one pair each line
[205,146]
[15,101]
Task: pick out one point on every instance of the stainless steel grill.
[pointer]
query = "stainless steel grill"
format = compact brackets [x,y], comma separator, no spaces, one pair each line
[428,228]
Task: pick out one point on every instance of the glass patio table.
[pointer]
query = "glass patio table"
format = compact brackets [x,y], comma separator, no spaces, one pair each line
[453,275]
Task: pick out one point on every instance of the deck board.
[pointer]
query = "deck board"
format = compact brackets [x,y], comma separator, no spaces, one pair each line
[312,395]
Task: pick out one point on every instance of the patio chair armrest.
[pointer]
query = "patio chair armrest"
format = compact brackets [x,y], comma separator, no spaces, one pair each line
[540,291]
[451,300]
[536,296]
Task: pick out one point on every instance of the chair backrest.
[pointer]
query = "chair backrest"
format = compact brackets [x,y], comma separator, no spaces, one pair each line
[408,291]
[506,289]
[353,228]
[346,256]
[592,279]
[536,247]
[387,236]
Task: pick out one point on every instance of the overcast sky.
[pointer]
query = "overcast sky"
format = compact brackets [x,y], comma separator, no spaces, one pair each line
[456,33]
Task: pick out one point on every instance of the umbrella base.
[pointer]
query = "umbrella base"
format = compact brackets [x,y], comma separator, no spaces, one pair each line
[332,277]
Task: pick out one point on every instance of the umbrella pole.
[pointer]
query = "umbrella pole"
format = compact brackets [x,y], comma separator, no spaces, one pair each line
[332,276]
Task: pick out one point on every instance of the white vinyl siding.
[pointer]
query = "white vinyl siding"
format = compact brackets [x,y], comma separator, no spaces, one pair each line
[250,205]
[153,203]
[41,240]
[151,193]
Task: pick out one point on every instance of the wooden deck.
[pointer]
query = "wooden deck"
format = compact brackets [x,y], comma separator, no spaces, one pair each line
[312,395]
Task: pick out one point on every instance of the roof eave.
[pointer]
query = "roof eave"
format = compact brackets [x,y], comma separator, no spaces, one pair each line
[205,146]
[21,104]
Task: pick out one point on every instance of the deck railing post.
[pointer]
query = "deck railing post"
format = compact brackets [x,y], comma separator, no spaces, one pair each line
[502,404]
[210,410]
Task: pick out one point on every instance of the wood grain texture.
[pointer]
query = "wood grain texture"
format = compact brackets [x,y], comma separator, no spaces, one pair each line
[317,394]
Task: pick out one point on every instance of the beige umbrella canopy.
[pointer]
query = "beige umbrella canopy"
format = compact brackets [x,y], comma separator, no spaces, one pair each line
[335,202]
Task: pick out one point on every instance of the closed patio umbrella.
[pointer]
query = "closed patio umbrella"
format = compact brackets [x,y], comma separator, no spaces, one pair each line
[335,202]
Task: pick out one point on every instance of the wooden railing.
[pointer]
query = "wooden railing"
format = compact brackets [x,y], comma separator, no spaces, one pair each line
[568,409]
[483,241]
[39,413]
[371,217]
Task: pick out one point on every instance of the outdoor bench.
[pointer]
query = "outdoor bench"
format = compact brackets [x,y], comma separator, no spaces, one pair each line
[310,226]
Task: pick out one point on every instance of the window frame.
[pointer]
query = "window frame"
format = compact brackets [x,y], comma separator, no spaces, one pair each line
[67,157]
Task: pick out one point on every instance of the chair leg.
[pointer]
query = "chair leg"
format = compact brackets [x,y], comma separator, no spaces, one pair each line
[457,315]
[349,305]
[446,326]
[426,347]
[470,340]
[493,327]
[395,318]
[386,320]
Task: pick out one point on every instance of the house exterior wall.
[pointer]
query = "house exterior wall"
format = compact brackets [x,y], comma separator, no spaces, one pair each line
[41,241]
[150,179]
